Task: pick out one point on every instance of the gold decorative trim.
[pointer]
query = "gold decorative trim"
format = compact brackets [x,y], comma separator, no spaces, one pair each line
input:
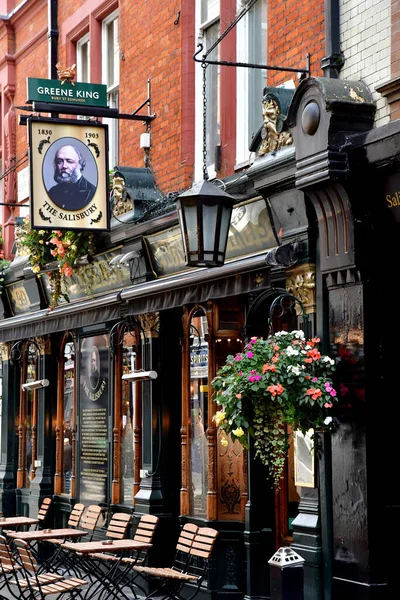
[272,139]
[149,325]
[44,345]
[301,284]
[5,348]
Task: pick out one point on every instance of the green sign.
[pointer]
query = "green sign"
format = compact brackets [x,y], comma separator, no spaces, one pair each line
[53,90]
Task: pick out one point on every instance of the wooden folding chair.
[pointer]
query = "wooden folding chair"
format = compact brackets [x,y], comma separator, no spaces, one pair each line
[8,566]
[144,532]
[37,587]
[169,581]
[181,557]
[89,522]
[43,512]
[73,523]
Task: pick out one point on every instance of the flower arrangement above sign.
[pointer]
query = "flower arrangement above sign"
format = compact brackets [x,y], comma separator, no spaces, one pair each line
[69,175]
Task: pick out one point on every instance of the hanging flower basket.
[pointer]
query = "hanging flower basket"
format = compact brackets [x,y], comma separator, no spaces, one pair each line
[63,248]
[274,383]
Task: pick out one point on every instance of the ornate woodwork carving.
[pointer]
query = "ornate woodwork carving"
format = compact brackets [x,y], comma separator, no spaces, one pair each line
[44,345]
[301,284]
[149,325]
[231,483]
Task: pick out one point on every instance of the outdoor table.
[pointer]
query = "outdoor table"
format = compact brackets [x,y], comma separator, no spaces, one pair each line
[17,522]
[108,580]
[47,534]
[41,535]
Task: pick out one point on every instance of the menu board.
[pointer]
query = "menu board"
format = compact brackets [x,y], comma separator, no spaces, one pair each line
[93,421]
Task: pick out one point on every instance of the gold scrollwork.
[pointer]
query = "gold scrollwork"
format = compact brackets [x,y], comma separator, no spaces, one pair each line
[301,283]
[149,325]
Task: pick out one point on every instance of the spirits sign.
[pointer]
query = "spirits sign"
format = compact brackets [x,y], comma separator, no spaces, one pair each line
[68,92]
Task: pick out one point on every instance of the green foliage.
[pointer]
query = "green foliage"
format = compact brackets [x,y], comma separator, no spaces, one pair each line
[274,383]
[64,247]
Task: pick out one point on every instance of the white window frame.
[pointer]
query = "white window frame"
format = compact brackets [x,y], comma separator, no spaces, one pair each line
[247,82]
[201,27]
[112,90]
[83,41]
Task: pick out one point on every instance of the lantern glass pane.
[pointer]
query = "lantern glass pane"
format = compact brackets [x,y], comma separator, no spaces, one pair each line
[210,215]
[225,223]
[191,226]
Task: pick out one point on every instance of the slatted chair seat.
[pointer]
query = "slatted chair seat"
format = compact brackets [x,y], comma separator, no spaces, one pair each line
[166,572]
[43,579]
[61,587]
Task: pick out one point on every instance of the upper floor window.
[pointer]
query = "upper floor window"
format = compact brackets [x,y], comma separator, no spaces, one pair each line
[251,48]
[111,79]
[209,31]
[83,59]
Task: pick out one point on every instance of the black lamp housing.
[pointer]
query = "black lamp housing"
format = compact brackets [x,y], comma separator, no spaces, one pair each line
[204,213]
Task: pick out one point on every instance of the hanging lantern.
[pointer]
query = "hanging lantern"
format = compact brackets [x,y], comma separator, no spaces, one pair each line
[204,215]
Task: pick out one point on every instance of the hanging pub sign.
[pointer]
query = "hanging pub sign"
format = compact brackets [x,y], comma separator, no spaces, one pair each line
[68,175]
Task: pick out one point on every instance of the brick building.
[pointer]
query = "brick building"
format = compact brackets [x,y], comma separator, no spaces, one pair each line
[315,188]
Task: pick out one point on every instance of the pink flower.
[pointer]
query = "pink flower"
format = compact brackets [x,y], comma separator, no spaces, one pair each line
[332,392]
[314,379]
[238,357]
[250,355]
[328,404]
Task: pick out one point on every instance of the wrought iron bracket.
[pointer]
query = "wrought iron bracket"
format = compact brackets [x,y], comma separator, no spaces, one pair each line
[226,63]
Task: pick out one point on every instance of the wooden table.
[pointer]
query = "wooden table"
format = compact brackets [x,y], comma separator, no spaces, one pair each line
[98,546]
[47,534]
[17,522]
[107,580]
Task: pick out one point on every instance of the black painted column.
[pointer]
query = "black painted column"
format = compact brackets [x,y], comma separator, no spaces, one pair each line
[42,485]
[149,499]
[8,445]
[259,532]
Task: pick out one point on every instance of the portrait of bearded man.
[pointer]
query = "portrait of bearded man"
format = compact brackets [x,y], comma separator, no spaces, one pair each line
[72,190]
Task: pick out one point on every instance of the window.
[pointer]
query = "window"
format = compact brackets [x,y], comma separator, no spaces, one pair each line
[198,415]
[111,79]
[68,415]
[83,59]
[251,48]
[127,412]
[209,30]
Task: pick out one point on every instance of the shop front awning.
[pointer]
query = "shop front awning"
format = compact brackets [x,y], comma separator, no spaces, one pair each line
[237,277]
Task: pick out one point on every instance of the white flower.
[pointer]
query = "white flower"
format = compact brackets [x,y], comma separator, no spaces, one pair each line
[328,360]
[296,370]
[290,351]
[299,334]
[281,333]
[328,420]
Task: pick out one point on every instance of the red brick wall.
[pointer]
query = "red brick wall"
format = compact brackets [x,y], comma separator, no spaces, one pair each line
[151,44]
[295,28]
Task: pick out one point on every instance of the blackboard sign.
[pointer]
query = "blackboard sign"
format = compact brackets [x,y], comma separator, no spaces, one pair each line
[93,421]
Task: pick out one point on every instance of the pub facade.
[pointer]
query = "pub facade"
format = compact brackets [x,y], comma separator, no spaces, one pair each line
[315,219]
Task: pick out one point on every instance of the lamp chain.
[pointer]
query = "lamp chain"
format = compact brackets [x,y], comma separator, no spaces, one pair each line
[205,170]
